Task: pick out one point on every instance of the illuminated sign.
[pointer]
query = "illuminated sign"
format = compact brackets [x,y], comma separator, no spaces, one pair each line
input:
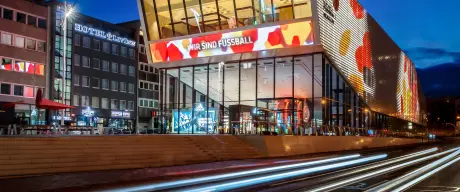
[123,114]
[220,43]
[256,39]
[66,118]
[87,112]
[103,35]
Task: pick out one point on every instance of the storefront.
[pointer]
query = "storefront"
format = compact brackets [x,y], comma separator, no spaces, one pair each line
[121,120]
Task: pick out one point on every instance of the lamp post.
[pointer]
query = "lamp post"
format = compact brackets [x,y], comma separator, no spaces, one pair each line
[68,11]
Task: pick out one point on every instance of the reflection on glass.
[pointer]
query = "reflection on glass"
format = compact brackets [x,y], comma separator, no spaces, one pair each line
[283,77]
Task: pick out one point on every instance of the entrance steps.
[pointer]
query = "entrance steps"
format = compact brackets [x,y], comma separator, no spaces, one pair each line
[21,156]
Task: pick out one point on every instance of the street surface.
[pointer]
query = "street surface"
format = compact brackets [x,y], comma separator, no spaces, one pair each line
[364,170]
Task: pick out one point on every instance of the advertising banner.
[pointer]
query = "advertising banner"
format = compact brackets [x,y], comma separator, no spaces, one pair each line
[256,39]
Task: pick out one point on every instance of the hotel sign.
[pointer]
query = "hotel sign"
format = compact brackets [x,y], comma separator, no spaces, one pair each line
[233,42]
[103,35]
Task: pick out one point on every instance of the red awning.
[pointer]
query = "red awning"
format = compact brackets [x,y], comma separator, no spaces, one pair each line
[48,104]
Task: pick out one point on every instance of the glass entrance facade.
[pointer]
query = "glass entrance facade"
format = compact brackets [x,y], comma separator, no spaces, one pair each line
[271,96]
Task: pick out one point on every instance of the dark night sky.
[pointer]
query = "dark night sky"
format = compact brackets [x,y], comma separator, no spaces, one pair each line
[428,30]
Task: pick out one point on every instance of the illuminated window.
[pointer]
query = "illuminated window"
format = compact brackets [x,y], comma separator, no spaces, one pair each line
[6,64]
[28,92]
[40,69]
[30,68]
[19,66]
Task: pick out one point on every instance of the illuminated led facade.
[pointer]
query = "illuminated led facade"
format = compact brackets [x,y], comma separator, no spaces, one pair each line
[278,67]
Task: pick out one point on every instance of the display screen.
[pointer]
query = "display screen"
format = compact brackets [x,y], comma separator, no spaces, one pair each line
[256,39]
[202,122]
[376,67]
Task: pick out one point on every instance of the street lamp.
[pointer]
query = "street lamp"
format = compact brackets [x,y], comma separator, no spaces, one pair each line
[68,11]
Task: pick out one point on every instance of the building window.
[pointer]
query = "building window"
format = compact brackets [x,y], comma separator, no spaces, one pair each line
[104,103]
[141,49]
[114,67]
[41,23]
[5,89]
[19,66]
[76,80]
[114,86]
[95,102]
[131,105]
[85,61]
[114,49]
[84,81]
[85,101]
[19,41]
[146,85]
[6,64]
[7,39]
[41,46]
[28,91]
[77,40]
[20,17]
[95,83]
[76,59]
[96,64]
[122,104]
[123,69]
[131,70]
[147,103]
[18,90]
[122,87]
[31,44]
[86,42]
[75,100]
[114,104]
[124,51]
[131,53]
[7,14]
[31,20]
[130,88]
[105,84]
[106,47]
[105,65]
[96,44]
